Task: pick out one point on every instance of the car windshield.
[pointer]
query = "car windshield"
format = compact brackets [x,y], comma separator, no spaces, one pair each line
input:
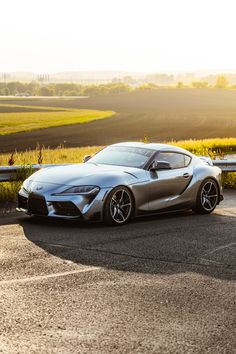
[123,156]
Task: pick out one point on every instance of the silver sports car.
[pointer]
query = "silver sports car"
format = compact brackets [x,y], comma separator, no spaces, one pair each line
[123,181]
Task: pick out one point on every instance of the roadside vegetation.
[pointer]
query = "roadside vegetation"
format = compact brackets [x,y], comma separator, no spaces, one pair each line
[17,118]
[215,148]
[118,85]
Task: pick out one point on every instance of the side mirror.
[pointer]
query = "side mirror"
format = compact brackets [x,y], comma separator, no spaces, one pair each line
[86,158]
[160,165]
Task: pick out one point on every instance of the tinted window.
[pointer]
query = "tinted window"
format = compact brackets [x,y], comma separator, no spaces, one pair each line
[175,160]
[122,156]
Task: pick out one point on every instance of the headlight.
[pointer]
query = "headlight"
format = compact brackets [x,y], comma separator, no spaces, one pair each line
[86,190]
[26,184]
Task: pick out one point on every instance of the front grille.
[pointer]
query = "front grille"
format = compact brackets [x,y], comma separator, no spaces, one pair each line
[22,202]
[37,205]
[66,208]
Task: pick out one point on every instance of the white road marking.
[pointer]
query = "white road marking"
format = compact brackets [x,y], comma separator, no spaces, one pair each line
[47,276]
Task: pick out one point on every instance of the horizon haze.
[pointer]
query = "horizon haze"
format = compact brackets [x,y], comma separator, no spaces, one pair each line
[131,36]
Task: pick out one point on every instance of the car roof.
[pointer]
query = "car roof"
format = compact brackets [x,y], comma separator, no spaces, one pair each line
[154,146]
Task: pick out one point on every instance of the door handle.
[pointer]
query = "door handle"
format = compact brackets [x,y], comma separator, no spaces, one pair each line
[186,175]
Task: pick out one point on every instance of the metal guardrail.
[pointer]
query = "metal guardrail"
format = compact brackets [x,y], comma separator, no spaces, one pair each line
[225,165]
[11,173]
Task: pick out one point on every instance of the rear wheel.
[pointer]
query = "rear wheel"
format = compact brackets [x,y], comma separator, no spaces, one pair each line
[207,197]
[118,206]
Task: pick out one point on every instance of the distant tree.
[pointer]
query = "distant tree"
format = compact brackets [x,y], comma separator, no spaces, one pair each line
[119,88]
[5,91]
[33,88]
[149,86]
[71,93]
[63,89]
[221,82]
[200,84]
[46,91]
[16,87]
[91,90]
[180,85]
[108,89]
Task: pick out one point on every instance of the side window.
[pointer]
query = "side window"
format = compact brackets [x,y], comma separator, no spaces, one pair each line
[187,160]
[176,160]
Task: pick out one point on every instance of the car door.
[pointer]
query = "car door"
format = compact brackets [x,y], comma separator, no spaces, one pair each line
[168,184]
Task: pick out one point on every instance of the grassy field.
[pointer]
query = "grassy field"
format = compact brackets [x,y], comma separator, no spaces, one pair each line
[17,118]
[162,115]
[8,190]
[211,147]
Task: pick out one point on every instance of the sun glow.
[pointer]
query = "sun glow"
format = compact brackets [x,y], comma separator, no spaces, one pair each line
[131,35]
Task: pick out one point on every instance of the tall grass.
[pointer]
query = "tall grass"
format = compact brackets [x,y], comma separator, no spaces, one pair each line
[47,155]
[210,147]
[8,190]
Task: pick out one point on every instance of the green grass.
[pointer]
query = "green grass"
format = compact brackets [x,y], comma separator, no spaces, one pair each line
[15,122]
[229,180]
[8,190]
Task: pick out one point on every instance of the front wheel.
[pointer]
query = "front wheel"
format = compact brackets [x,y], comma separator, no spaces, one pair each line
[207,197]
[118,206]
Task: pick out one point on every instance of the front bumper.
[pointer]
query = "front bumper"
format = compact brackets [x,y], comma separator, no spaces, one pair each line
[65,207]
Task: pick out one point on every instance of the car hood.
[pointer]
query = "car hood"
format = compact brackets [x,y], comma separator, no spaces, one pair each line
[89,174]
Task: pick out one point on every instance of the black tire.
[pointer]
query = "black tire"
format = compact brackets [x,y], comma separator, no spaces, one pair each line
[207,197]
[118,207]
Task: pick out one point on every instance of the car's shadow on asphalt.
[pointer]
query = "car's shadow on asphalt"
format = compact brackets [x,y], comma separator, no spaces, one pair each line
[166,244]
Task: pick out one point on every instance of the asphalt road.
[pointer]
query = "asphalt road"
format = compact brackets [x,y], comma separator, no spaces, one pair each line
[163,284]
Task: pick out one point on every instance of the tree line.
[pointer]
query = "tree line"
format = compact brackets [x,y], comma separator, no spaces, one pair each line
[60,89]
[34,88]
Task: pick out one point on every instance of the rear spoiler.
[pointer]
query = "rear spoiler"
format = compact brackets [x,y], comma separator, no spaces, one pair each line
[206,159]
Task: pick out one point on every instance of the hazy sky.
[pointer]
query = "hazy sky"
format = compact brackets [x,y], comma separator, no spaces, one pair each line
[130,35]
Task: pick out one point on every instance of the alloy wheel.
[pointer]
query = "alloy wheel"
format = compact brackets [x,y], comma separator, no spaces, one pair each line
[120,206]
[209,196]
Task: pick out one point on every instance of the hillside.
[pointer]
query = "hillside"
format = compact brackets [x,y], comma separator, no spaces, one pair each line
[163,114]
